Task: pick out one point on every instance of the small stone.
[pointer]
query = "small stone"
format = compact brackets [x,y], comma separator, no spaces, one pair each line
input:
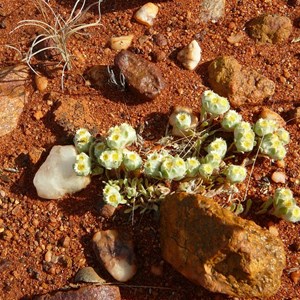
[56,177]
[121,42]
[66,242]
[295,276]
[38,115]
[142,76]
[41,82]
[107,211]
[211,10]
[88,275]
[90,292]
[270,28]
[13,96]
[160,40]
[278,177]
[236,37]
[190,56]
[280,163]
[48,256]
[269,114]
[146,14]
[159,55]
[115,251]
[157,270]
[241,85]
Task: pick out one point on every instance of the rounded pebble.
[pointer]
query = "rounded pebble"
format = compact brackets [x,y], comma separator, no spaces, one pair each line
[278,177]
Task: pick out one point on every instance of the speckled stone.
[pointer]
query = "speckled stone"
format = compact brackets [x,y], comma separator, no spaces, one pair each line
[91,292]
[13,96]
[214,248]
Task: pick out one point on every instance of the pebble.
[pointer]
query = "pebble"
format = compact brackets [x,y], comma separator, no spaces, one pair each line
[41,82]
[295,276]
[160,40]
[278,177]
[212,10]
[121,42]
[107,211]
[115,251]
[190,55]
[88,275]
[142,76]
[48,256]
[147,14]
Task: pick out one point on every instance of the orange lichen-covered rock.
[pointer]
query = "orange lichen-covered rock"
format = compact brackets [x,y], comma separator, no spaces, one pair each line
[214,248]
[239,84]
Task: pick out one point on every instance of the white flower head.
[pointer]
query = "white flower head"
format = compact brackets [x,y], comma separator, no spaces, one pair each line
[82,140]
[183,120]
[213,158]
[265,126]
[173,168]
[206,170]
[214,104]
[272,146]
[99,148]
[110,159]
[230,120]
[112,196]
[192,166]
[131,160]
[293,214]
[219,146]
[82,165]
[235,174]
[121,136]
[283,135]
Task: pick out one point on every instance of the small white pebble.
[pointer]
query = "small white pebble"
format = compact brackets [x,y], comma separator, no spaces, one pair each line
[146,14]
[121,42]
[190,55]
[278,177]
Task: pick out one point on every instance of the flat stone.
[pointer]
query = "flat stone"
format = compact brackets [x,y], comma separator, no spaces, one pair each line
[88,275]
[218,250]
[212,10]
[239,84]
[270,28]
[91,292]
[115,251]
[73,114]
[13,96]
[142,76]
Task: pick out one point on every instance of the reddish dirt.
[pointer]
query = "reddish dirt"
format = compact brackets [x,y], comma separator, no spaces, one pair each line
[31,226]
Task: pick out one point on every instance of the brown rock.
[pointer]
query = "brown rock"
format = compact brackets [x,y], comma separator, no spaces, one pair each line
[141,75]
[217,249]
[98,76]
[241,85]
[13,96]
[270,28]
[115,251]
[91,292]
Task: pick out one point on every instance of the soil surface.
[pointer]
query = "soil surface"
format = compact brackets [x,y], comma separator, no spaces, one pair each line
[31,226]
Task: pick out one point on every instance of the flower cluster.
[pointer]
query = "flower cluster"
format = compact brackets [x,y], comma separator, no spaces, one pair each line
[285,206]
[200,159]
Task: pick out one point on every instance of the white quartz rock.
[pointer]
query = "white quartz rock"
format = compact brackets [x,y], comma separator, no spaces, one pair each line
[56,177]
[190,55]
